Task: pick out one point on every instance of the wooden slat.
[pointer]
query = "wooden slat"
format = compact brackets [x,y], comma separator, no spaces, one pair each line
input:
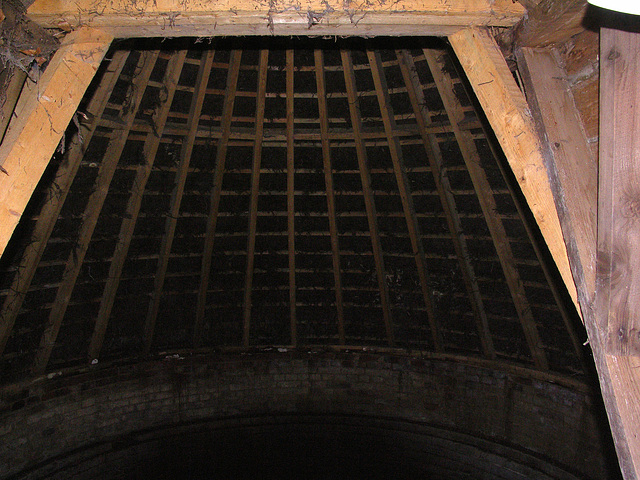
[90,218]
[45,116]
[255,184]
[613,332]
[57,195]
[221,156]
[361,152]
[487,202]
[382,91]
[175,18]
[291,233]
[447,199]
[176,197]
[172,75]
[328,181]
[510,117]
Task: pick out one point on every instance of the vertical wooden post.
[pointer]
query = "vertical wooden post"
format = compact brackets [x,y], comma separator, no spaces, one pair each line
[291,211]
[615,332]
[45,117]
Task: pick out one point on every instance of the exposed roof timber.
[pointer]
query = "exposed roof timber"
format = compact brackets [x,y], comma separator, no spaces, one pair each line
[551,21]
[44,116]
[510,117]
[201,18]
[291,211]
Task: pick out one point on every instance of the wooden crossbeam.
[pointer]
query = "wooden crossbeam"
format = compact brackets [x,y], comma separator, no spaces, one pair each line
[57,195]
[255,184]
[328,181]
[199,18]
[195,109]
[216,191]
[361,152]
[45,117]
[487,202]
[291,233]
[384,101]
[510,117]
[151,144]
[90,218]
[447,199]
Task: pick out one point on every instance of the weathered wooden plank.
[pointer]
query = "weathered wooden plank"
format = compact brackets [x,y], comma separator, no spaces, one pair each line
[195,109]
[361,153]
[151,144]
[386,110]
[11,81]
[551,21]
[45,116]
[291,232]
[201,18]
[472,159]
[216,191]
[572,170]
[90,217]
[255,184]
[447,199]
[57,195]
[328,181]
[510,117]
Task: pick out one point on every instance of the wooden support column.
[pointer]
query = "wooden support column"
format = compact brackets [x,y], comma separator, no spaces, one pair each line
[195,109]
[487,202]
[447,199]
[510,117]
[216,191]
[45,117]
[367,191]
[328,181]
[91,214]
[12,81]
[255,184]
[386,110]
[614,333]
[151,144]
[57,195]
[291,211]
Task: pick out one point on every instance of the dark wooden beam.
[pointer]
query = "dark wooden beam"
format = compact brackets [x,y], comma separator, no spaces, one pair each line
[195,109]
[151,144]
[216,191]
[291,232]
[447,199]
[57,195]
[255,184]
[328,180]
[361,152]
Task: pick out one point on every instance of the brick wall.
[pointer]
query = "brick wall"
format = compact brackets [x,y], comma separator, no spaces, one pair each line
[84,419]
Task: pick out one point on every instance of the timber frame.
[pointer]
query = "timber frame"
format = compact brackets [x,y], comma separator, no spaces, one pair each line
[565,215]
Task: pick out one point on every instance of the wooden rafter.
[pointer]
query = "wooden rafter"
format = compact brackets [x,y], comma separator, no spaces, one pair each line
[445,86]
[361,152]
[13,81]
[255,183]
[44,116]
[328,180]
[176,197]
[510,117]
[172,75]
[92,212]
[613,330]
[216,191]
[291,233]
[382,92]
[447,199]
[57,195]
[200,18]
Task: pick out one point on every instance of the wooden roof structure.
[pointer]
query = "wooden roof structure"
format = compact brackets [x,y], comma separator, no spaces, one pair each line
[338,193]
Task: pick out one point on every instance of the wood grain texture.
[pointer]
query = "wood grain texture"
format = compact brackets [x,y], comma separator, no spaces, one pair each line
[44,116]
[173,18]
[551,21]
[569,161]
[510,117]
